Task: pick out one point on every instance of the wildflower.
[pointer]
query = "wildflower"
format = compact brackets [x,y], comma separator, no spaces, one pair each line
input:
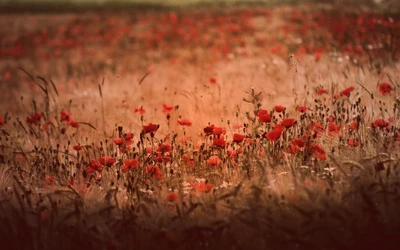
[333,129]
[165,147]
[140,110]
[385,88]
[65,116]
[150,128]
[353,142]
[352,126]
[298,142]
[219,142]
[118,141]
[166,108]
[106,161]
[154,171]
[34,119]
[184,122]
[162,157]
[218,131]
[94,166]
[2,121]
[209,130]
[73,123]
[288,122]
[302,109]
[274,134]
[379,123]
[263,116]
[129,164]
[203,187]
[238,137]
[77,147]
[347,91]
[279,108]
[172,197]
[214,160]
[213,80]
[321,91]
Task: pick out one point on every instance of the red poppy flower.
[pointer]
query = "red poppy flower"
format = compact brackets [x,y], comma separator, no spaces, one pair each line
[319,156]
[238,137]
[209,130]
[73,123]
[274,135]
[165,147]
[352,126]
[202,187]
[77,147]
[219,142]
[172,197]
[218,131]
[333,129]
[132,163]
[380,123]
[118,141]
[184,122]
[65,116]
[34,119]
[385,88]
[166,108]
[279,108]
[317,148]
[150,128]
[214,160]
[162,157]
[140,110]
[346,92]
[302,109]
[213,80]
[321,91]
[2,121]
[154,171]
[106,161]
[298,142]
[331,118]
[94,166]
[288,122]
[353,142]
[263,116]
[293,149]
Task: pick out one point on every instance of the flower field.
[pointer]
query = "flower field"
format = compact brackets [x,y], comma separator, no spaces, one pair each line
[245,127]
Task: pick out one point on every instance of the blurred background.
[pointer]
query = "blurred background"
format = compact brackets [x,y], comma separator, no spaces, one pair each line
[182,2]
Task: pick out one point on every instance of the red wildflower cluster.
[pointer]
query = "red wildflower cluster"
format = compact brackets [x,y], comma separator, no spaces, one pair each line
[67,117]
[154,171]
[385,88]
[214,160]
[184,122]
[129,164]
[263,116]
[150,128]
[347,91]
[34,119]
[167,109]
[202,187]
[279,108]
